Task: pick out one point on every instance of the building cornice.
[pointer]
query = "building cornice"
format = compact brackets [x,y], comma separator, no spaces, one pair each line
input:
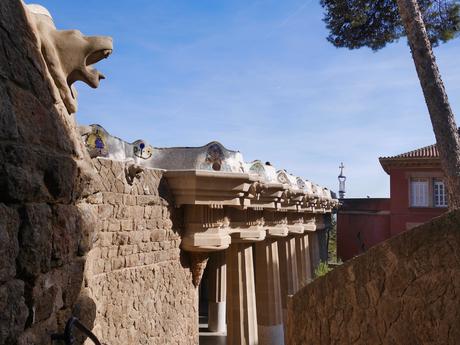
[404,162]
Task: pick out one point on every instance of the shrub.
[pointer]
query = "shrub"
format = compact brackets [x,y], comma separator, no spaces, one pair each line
[322,269]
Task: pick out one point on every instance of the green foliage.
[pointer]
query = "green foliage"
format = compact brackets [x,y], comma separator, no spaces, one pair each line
[374,23]
[332,244]
[322,269]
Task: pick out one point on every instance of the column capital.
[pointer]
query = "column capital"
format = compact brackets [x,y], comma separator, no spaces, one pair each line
[275,223]
[206,229]
[246,225]
[247,234]
[309,222]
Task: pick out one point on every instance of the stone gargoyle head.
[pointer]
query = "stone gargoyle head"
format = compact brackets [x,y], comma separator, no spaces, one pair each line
[68,54]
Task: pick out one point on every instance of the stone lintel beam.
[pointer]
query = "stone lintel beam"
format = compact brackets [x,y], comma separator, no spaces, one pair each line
[202,187]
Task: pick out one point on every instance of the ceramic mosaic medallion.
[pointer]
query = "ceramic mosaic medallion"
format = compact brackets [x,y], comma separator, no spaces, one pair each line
[214,157]
[96,142]
[142,149]
[301,183]
[258,168]
[282,177]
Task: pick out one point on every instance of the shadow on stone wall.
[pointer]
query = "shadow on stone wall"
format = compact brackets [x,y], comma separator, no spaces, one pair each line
[177,217]
[403,291]
[44,232]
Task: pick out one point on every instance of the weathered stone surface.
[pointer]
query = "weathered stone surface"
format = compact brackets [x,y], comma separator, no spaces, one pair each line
[13,311]
[33,176]
[404,291]
[67,233]
[41,178]
[9,247]
[29,110]
[8,125]
[35,235]
[134,268]
[77,237]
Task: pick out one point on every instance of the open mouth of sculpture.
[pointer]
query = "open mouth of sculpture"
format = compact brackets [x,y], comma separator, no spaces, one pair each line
[92,75]
[86,72]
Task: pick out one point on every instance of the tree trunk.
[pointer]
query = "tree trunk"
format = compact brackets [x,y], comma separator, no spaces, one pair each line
[441,115]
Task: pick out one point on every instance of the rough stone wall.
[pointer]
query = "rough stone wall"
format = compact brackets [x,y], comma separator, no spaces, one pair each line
[142,290]
[403,291]
[43,178]
[75,239]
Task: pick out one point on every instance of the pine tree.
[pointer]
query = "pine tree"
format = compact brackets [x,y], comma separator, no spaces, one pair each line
[374,23]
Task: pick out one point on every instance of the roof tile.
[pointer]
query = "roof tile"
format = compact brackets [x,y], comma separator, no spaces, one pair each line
[430,151]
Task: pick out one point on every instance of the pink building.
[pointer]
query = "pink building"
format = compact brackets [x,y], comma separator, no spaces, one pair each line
[417,194]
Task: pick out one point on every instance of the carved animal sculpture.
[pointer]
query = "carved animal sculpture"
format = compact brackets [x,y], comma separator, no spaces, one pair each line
[68,54]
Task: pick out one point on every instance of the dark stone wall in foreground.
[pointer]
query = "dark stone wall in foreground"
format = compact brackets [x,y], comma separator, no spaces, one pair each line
[77,238]
[44,234]
[403,291]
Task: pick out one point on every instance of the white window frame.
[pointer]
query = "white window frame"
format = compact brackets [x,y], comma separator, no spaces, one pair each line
[419,192]
[439,193]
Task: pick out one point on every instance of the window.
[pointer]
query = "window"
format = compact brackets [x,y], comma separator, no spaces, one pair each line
[439,193]
[419,192]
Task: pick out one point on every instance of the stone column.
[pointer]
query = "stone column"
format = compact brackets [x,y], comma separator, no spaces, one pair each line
[314,251]
[268,293]
[288,270]
[307,260]
[241,299]
[310,228]
[217,279]
[301,260]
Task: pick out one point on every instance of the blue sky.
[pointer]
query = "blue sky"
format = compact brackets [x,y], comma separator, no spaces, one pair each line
[260,77]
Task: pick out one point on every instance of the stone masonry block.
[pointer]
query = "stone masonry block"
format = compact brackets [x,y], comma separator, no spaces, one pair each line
[129,200]
[112,198]
[105,239]
[35,235]
[14,311]
[9,247]
[105,211]
[127,224]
